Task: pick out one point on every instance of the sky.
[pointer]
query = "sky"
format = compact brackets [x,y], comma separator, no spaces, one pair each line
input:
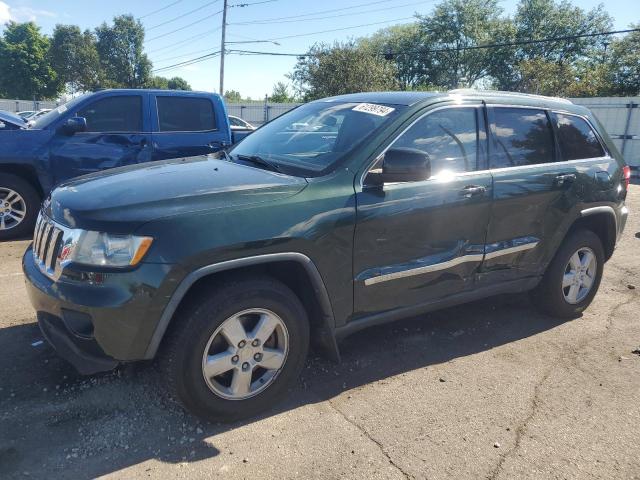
[175,35]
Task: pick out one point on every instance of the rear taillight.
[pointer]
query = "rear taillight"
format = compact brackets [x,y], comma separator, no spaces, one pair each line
[626,175]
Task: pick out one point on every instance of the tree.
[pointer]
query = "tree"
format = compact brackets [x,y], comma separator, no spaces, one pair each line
[232,96]
[25,69]
[120,47]
[341,68]
[280,93]
[178,83]
[448,39]
[160,83]
[75,59]
[625,64]
[539,19]
[398,45]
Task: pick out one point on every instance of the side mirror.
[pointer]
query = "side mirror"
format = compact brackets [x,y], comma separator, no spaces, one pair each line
[74,125]
[403,165]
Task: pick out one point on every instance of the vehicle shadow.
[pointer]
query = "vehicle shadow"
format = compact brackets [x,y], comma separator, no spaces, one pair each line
[54,422]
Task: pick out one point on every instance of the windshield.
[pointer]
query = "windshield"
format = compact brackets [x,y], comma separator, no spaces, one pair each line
[314,137]
[45,120]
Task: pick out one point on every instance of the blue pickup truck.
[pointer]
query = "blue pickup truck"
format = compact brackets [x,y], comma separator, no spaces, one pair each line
[96,131]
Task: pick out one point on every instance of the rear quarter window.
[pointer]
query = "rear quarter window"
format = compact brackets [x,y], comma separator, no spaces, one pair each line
[576,138]
[185,114]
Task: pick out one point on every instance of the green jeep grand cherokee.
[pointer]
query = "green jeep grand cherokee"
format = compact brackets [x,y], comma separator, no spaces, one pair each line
[343,213]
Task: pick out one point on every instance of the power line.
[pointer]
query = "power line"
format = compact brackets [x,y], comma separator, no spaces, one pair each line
[160,9]
[184,27]
[331,16]
[339,29]
[251,3]
[269,20]
[451,49]
[186,40]
[202,7]
[187,62]
[188,54]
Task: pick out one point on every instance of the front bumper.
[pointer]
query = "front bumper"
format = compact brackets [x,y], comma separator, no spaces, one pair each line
[95,325]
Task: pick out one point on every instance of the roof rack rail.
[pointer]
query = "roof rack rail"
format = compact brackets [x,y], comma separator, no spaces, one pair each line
[500,93]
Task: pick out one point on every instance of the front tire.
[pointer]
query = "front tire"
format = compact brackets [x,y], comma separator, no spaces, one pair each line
[573,276]
[238,349]
[19,204]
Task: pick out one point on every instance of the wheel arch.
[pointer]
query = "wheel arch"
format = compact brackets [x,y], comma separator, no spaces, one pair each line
[603,222]
[26,172]
[293,269]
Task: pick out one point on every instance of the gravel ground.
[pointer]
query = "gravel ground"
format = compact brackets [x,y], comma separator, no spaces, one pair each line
[490,390]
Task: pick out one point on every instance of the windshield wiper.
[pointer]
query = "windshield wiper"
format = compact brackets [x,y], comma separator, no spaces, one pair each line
[256,160]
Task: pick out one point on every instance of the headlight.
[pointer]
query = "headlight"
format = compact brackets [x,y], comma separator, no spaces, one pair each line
[103,249]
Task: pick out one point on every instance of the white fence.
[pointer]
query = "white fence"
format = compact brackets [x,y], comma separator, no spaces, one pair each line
[257,113]
[621,120]
[619,115]
[26,105]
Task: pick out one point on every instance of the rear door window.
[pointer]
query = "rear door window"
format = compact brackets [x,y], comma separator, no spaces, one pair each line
[122,114]
[523,137]
[577,139]
[185,114]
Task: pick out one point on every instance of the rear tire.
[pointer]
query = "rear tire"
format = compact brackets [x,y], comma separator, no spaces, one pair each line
[573,276]
[208,341]
[19,205]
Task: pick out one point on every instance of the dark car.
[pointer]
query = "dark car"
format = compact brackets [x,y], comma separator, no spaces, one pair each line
[97,131]
[226,267]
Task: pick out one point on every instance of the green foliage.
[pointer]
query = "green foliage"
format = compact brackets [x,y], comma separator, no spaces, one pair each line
[122,59]
[178,83]
[232,96]
[624,64]
[447,37]
[341,68]
[280,94]
[537,19]
[162,83]
[25,67]
[74,57]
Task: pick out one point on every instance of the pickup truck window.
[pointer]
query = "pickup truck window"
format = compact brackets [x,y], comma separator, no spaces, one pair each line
[577,139]
[524,137]
[185,114]
[313,138]
[48,118]
[450,137]
[114,114]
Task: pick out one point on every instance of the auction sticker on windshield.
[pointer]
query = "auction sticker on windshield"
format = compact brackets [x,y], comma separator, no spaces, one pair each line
[373,109]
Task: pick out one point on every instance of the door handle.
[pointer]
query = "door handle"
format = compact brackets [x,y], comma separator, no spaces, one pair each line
[565,178]
[472,191]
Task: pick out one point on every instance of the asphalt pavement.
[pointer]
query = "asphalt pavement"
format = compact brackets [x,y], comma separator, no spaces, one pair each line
[491,390]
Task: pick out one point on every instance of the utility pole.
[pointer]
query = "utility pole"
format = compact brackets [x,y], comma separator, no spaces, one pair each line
[222,45]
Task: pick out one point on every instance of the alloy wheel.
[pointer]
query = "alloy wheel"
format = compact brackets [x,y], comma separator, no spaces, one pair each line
[245,354]
[579,275]
[13,208]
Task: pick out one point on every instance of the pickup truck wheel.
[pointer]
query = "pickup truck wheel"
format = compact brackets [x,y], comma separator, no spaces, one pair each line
[238,350]
[19,203]
[573,276]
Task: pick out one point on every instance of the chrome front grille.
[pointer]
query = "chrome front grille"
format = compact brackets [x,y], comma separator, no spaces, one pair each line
[47,240]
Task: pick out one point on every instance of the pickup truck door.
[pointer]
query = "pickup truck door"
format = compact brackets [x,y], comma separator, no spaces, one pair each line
[188,124]
[416,242]
[115,137]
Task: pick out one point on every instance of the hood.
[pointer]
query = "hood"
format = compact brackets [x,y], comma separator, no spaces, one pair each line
[8,117]
[121,199]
